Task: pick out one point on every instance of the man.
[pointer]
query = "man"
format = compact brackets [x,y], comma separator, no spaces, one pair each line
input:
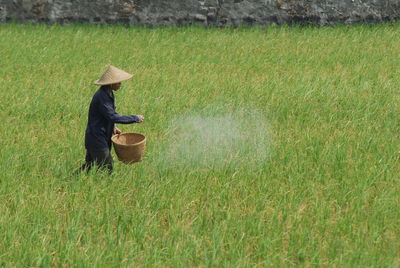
[102,119]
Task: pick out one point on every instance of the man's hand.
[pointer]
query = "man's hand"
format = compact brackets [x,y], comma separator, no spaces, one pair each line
[140,117]
[117,131]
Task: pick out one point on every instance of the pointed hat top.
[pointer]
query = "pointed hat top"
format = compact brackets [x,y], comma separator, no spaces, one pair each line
[113,75]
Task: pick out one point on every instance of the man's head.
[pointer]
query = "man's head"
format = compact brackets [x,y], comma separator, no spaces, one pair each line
[115,87]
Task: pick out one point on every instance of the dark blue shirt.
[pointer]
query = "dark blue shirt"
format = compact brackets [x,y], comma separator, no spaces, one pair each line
[101,119]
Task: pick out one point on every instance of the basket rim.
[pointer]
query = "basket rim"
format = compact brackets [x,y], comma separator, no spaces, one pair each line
[113,139]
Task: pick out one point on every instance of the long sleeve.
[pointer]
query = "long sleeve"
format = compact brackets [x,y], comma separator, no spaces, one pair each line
[108,111]
[101,119]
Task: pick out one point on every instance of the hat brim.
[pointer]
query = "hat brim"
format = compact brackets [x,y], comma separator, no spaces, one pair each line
[99,83]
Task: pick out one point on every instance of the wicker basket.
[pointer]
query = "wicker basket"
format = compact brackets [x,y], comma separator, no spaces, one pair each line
[129,147]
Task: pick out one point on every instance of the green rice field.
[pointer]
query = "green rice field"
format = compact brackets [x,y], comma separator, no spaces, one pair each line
[266,147]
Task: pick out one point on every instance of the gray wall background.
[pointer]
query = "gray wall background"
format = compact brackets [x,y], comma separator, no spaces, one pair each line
[204,12]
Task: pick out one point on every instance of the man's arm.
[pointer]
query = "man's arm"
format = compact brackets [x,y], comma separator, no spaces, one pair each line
[107,110]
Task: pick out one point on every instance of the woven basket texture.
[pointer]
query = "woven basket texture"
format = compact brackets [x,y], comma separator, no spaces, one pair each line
[129,147]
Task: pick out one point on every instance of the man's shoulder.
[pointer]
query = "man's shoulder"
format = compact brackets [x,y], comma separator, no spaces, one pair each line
[101,94]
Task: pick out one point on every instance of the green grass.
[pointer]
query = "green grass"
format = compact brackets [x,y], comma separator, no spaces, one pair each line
[325,193]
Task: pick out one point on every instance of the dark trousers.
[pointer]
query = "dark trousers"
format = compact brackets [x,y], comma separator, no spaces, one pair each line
[100,158]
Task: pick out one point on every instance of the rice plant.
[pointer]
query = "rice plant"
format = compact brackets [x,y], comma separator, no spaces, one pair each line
[274,146]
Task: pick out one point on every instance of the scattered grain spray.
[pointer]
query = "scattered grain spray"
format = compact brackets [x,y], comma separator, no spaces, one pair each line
[238,138]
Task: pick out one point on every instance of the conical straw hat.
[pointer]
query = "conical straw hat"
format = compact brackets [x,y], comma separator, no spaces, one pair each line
[113,75]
